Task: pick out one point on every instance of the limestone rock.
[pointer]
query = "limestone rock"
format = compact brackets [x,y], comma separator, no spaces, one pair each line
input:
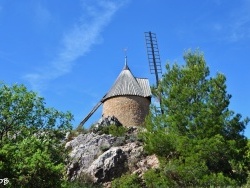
[105,157]
[104,122]
[109,165]
[85,148]
[146,163]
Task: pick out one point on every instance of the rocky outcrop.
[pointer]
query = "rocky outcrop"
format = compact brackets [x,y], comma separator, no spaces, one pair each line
[105,157]
[104,122]
[146,163]
[109,165]
[84,149]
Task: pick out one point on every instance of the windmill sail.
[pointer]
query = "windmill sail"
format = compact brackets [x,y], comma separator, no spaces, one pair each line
[154,59]
[153,55]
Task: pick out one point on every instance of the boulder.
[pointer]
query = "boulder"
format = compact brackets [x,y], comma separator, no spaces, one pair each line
[146,163]
[105,157]
[104,122]
[109,165]
[84,149]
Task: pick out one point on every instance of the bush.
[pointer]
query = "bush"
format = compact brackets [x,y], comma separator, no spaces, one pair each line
[74,133]
[248,182]
[155,178]
[131,181]
[84,181]
[31,135]
[113,130]
[36,166]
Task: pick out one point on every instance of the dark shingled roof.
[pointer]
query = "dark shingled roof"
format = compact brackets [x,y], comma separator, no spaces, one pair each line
[127,84]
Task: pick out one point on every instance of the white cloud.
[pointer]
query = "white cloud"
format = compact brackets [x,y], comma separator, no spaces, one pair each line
[78,41]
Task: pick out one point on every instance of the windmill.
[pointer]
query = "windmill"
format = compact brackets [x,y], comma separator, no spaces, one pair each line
[154,58]
[128,99]
[128,88]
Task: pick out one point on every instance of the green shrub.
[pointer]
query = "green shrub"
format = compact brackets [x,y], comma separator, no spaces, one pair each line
[127,181]
[248,182]
[74,133]
[84,181]
[31,134]
[113,130]
[155,178]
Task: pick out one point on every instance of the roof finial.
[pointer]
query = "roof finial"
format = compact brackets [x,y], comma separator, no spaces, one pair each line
[126,60]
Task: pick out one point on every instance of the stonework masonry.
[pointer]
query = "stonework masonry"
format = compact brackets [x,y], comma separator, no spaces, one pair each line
[129,110]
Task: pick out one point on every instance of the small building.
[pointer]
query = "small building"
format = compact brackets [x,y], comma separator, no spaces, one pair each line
[128,99]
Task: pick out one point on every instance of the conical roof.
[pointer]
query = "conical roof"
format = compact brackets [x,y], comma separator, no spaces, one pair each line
[127,84]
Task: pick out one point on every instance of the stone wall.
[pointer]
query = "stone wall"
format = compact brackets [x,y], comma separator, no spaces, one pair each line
[129,110]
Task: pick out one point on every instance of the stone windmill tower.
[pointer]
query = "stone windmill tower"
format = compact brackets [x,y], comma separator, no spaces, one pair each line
[128,99]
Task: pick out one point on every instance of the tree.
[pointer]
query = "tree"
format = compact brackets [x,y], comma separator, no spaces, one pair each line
[248,158]
[31,135]
[199,140]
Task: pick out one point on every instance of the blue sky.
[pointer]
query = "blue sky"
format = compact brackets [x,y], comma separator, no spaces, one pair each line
[70,52]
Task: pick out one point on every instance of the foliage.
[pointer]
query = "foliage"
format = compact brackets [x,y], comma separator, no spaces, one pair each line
[113,130]
[248,150]
[248,159]
[30,163]
[84,181]
[128,180]
[21,109]
[157,178]
[199,140]
[74,133]
[31,135]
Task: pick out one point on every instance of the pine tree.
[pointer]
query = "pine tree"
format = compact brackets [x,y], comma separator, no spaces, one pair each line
[200,141]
